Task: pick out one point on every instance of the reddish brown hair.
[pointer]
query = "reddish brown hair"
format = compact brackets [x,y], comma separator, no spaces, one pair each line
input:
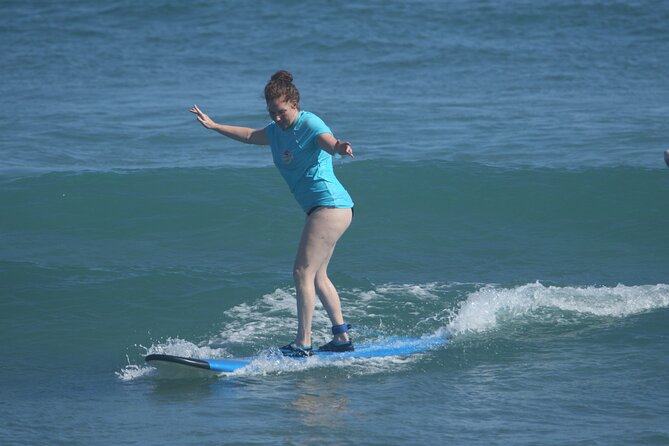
[281,86]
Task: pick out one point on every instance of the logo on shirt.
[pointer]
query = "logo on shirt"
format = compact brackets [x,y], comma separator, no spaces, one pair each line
[287,156]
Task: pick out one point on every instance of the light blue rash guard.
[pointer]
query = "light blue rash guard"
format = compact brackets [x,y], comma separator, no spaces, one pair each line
[304,165]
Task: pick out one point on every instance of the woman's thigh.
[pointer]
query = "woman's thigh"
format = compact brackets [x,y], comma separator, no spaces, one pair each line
[322,230]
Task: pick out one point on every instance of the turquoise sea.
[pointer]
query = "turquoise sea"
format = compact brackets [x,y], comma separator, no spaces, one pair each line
[510,189]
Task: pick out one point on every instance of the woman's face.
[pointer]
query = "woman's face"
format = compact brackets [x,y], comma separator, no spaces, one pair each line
[283,112]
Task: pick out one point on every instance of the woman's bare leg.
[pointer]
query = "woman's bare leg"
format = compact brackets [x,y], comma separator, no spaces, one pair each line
[330,299]
[321,232]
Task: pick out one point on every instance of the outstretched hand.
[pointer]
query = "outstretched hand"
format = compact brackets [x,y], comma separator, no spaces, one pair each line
[343,148]
[204,119]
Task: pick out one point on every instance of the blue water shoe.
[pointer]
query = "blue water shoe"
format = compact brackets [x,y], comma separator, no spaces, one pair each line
[335,346]
[293,351]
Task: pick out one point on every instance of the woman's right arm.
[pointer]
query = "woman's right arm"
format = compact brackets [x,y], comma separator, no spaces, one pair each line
[242,134]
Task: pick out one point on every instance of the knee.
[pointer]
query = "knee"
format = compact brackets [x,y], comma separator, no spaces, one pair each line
[301,274]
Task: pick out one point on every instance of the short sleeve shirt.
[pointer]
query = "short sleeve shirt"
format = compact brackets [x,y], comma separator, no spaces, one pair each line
[304,165]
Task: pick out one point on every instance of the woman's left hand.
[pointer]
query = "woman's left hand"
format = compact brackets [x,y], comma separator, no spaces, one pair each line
[343,148]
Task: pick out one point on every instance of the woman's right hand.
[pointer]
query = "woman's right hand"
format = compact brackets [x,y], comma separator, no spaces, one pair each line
[204,119]
[242,134]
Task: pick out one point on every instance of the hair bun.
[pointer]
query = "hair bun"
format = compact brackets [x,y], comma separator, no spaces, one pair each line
[282,76]
[281,87]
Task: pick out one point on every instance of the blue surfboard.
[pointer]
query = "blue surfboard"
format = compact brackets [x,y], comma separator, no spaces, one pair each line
[396,346]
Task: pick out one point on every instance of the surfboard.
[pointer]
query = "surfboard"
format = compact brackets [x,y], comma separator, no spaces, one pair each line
[392,346]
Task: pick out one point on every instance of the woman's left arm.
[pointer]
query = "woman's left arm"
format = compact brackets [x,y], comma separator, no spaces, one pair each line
[333,146]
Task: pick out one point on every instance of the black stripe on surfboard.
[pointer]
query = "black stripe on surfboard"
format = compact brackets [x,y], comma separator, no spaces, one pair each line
[179,360]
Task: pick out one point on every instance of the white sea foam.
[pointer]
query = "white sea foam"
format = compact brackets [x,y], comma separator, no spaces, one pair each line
[273,363]
[421,291]
[484,309]
[133,371]
[271,317]
[255,325]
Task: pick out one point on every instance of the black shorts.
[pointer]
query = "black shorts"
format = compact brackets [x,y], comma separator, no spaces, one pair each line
[313,209]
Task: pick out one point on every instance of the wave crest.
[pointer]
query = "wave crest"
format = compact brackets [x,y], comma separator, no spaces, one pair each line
[486,308]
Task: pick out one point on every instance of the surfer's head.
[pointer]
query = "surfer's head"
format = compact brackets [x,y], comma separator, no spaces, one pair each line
[281,86]
[283,99]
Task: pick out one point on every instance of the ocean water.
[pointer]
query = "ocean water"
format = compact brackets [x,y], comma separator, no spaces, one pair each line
[511,196]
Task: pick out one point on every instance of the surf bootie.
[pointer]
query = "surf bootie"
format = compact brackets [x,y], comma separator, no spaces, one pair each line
[293,351]
[337,346]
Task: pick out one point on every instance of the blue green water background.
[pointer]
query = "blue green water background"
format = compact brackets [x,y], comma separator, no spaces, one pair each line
[510,194]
